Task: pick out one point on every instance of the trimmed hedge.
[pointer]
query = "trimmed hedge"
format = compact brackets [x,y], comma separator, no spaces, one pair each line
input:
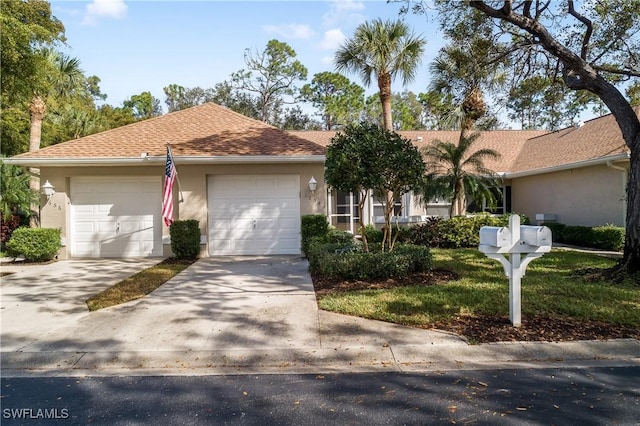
[312,225]
[34,244]
[349,262]
[607,237]
[185,239]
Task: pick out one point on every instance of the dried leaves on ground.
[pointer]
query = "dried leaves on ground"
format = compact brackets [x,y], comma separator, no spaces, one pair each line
[490,328]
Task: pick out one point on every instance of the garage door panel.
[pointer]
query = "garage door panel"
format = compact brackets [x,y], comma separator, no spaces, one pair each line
[116,217]
[254,214]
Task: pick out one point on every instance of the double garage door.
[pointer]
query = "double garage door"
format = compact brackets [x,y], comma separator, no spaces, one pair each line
[254,214]
[248,215]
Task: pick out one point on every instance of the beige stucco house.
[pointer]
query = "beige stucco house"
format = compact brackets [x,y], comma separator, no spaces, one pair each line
[244,181]
[247,183]
[575,176]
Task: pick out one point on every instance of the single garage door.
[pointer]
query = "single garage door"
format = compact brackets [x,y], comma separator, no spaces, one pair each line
[116,217]
[254,214]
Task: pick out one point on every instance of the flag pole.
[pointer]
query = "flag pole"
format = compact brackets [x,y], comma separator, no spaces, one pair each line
[180,197]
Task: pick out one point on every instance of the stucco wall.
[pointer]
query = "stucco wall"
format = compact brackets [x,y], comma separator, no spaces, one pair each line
[588,196]
[193,183]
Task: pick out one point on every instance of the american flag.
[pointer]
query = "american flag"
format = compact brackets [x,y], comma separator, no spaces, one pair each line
[170,174]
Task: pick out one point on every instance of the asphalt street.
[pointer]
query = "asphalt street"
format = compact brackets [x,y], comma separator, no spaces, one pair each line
[546,396]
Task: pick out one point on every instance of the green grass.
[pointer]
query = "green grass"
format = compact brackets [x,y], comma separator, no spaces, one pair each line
[552,287]
[138,285]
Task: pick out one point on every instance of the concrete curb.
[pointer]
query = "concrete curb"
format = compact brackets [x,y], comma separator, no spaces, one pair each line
[398,358]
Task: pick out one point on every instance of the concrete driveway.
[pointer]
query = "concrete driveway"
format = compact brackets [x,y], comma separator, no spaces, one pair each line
[221,315]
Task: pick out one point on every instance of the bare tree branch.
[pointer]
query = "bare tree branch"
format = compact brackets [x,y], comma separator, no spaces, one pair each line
[587,35]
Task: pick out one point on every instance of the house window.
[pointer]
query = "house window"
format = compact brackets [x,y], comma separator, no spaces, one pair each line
[503,202]
[344,211]
[399,208]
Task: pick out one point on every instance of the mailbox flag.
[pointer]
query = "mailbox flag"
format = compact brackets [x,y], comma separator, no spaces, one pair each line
[170,174]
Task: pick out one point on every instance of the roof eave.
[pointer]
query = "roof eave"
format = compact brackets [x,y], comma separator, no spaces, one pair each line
[159,160]
[569,166]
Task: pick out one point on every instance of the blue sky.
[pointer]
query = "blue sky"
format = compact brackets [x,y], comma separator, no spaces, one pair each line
[137,46]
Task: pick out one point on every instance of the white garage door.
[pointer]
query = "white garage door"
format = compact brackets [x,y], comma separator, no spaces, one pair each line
[116,217]
[254,214]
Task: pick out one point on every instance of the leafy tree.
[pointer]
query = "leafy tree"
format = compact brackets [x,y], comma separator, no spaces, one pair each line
[295,119]
[384,50]
[407,111]
[143,106]
[175,97]
[366,159]
[109,117]
[436,108]
[633,93]
[227,95]
[592,48]
[270,76]
[17,198]
[27,27]
[455,171]
[338,99]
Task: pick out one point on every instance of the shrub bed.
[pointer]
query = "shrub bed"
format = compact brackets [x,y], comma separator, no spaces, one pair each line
[607,237]
[350,262]
[456,232]
[312,225]
[34,244]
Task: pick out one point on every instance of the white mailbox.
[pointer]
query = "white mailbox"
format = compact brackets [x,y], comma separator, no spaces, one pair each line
[495,236]
[535,235]
[521,244]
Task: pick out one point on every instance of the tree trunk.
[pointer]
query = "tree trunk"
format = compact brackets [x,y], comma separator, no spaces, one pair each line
[37,108]
[363,234]
[631,258]
[384,84]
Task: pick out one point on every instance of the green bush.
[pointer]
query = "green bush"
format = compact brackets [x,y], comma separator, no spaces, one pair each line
[34,244]
[607,237]
[312,225]
[456,232]
[336,236]
[374,235]
[185,239]
[351,263]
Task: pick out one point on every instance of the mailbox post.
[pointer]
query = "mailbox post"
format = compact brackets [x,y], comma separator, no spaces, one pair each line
[522,244]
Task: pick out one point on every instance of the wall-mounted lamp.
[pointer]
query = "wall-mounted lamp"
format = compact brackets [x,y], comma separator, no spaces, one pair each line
[47,189]
[313,184]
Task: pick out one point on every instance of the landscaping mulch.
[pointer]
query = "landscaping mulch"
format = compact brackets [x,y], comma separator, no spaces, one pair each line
[490,328]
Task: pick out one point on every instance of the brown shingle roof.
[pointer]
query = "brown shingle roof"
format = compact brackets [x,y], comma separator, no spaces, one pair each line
[204,130]
[508,143]
[597,138]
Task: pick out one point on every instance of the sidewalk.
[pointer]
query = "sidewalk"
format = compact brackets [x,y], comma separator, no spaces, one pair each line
[234,316]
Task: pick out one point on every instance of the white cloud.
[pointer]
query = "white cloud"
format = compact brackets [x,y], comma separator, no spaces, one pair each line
[332,39]
[327,60]
[291,31]
[115,9]
[344,11]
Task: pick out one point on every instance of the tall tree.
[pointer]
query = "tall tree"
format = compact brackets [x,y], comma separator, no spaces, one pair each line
[339,101]
[143,106]
[64,78]
[407,111]
[384,50]
[593,47]
[227,95]
[270,76]
[455,171]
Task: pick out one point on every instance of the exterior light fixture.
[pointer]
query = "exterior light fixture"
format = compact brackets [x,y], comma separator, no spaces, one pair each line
[313,184]
[47,189]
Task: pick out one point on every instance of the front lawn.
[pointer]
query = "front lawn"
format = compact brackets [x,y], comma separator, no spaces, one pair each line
[560,299]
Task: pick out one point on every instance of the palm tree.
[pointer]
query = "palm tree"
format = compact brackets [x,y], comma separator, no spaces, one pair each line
[63,78]
[463,71]
[455,171]
[383,49]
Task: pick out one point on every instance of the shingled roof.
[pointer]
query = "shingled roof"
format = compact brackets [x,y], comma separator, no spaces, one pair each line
[207,130]
[509,143]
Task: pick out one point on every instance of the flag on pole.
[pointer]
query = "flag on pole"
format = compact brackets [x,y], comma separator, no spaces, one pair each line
[170,174]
